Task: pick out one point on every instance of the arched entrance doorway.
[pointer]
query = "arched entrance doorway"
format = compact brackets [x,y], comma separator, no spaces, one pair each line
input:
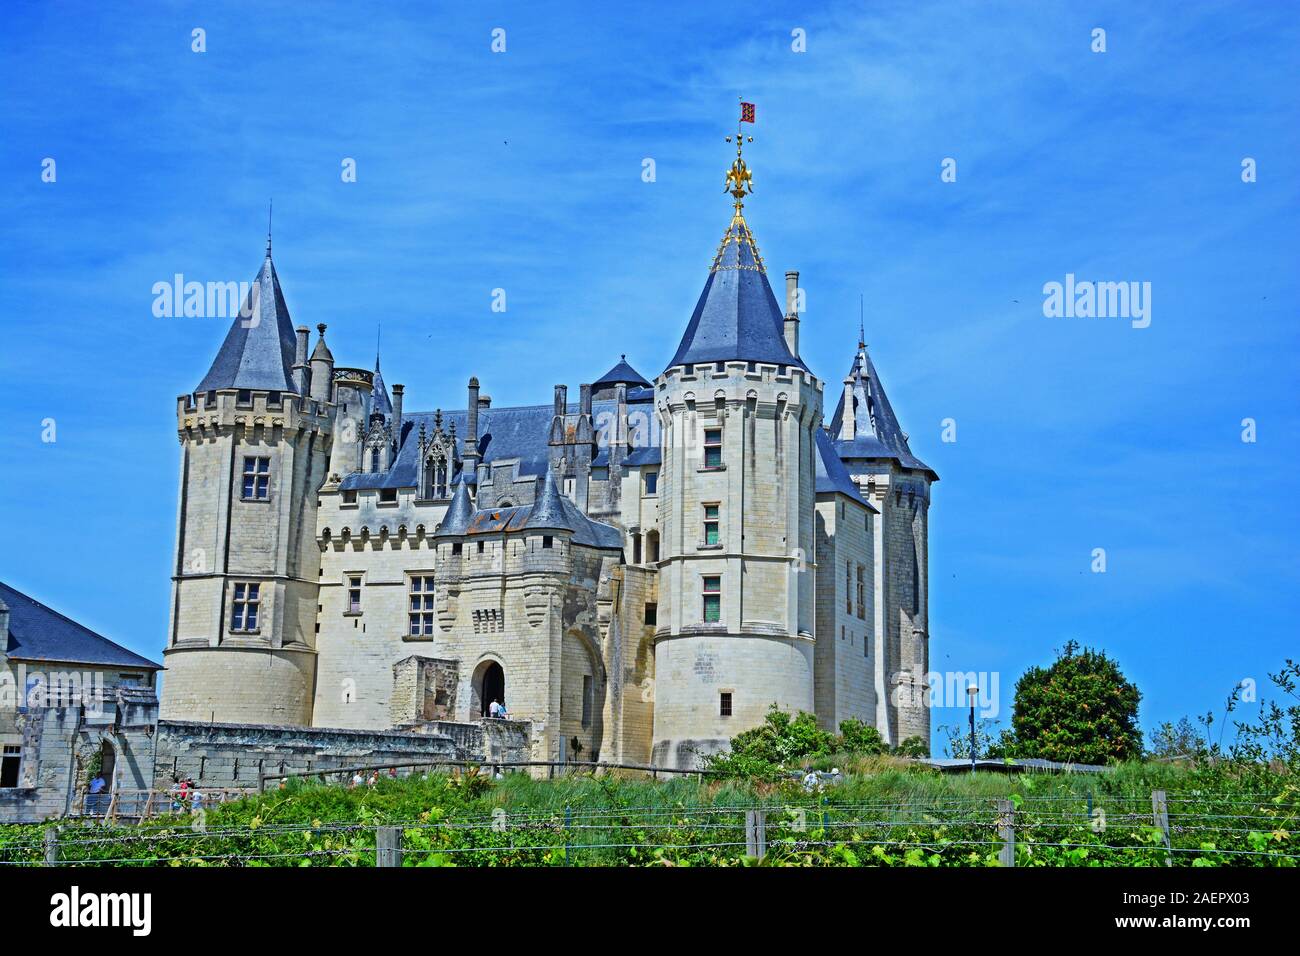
[489,685]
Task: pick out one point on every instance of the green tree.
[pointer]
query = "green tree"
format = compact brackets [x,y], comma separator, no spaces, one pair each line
[1080,709]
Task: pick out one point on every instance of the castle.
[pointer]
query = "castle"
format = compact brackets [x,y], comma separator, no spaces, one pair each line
[637,576]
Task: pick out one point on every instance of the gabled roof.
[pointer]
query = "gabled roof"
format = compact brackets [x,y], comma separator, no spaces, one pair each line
[832,476]
[875,432]
[259,348]
[621,374]
[737,316]
[39,633]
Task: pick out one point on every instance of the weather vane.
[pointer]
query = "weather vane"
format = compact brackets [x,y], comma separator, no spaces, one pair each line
[740,179]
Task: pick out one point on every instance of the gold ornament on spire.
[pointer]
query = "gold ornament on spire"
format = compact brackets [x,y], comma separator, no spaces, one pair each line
[739,182]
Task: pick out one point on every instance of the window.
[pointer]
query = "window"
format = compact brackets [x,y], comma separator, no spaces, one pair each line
[848,587]
[548,541]
[711,524]
[916,584]
[586,700]
[354,594]
[712,599]
[651,612]
[388,494]
[349,497]
[713,448]
[420,615]
[480,547]
[9,764]
[243,609]
[245,397]
[273,398]
[862,593]
[724,704]
[457,548]
[652,482]
[257,479]
[131,680]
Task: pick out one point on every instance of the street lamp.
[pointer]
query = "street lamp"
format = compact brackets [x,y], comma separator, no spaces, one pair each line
[972,691]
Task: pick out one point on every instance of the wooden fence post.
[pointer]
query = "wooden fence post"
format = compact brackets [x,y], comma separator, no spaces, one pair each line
[52,846]
[1007,832]
[388,846]
[1160,816]
[755,834]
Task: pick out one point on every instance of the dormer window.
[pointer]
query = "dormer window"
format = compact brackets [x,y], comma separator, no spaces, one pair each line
[245,397]
[387,495]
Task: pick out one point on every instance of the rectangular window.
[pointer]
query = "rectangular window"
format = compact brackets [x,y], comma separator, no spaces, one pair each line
[712,599]
[586,700]
[724,704]
[480,547]
[711,524]
[652,482]
[651,612]
[9,764]
[245,397]
[257,478]
[713,448]
[388,494]
[350,497]
[862,593]
[244,607]
[421,595]
[848,587]
[354,594]
[548,541]
[456,548]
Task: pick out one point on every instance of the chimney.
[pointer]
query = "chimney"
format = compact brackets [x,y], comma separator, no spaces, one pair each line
[301,370]
[485,401]
[398,390]
[848,424]
[561,400]
[4,625]
[470,450]
[584,399]
[792,312]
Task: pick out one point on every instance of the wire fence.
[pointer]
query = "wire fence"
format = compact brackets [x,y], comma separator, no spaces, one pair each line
[1162,830]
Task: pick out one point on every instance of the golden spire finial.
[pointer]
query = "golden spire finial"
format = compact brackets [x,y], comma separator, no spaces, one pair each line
[740,179]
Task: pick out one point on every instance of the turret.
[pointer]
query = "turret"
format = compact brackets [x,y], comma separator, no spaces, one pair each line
[738,412]
[242,632]
[322,369]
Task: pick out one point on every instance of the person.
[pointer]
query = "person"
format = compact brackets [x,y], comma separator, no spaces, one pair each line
[176,794]
[502,712]
[357,779]
[494,708]
[392,772]
[96,801]
[810,779]
[374,778]
[198,801]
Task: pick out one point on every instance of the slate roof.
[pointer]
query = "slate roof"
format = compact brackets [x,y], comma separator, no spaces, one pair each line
[550,511]
[621,374]
[737,316]
[39,633]
[504,434]
[832,476]
[876,430]
[380,403]
[258,351]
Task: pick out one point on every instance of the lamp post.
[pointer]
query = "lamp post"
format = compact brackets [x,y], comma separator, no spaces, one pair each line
[972,691]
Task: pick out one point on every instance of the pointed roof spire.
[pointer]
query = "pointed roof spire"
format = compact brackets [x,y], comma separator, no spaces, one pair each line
[874,432]
[459,512]
[258,351]
[548,507]
[270,206]
[737,316]
[621,374]
[380,403]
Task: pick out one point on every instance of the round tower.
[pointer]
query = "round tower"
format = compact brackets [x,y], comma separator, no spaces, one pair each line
[254,451]
[738,409]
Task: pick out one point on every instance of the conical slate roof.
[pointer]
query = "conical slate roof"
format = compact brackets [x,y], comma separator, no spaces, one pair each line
[259,348]
[876,432]
[621,374]
[380,403]
[548,508]
[459,512]
[737,316]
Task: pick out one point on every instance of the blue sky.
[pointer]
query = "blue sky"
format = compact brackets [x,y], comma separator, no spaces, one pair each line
[522,171]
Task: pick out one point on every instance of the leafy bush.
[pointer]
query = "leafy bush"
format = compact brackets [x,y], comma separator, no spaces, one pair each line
[1081,709]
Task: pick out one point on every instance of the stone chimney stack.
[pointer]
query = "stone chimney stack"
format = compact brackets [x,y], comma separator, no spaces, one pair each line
[301,370]
[4,624]
[469,451]
[398,391]
[848,426]
[561,400]
[792,312]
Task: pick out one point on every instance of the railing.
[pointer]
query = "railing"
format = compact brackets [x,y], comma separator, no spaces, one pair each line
[1155,829]
[143,804]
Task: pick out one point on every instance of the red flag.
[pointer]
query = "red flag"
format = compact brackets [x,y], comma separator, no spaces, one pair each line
[747,112]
